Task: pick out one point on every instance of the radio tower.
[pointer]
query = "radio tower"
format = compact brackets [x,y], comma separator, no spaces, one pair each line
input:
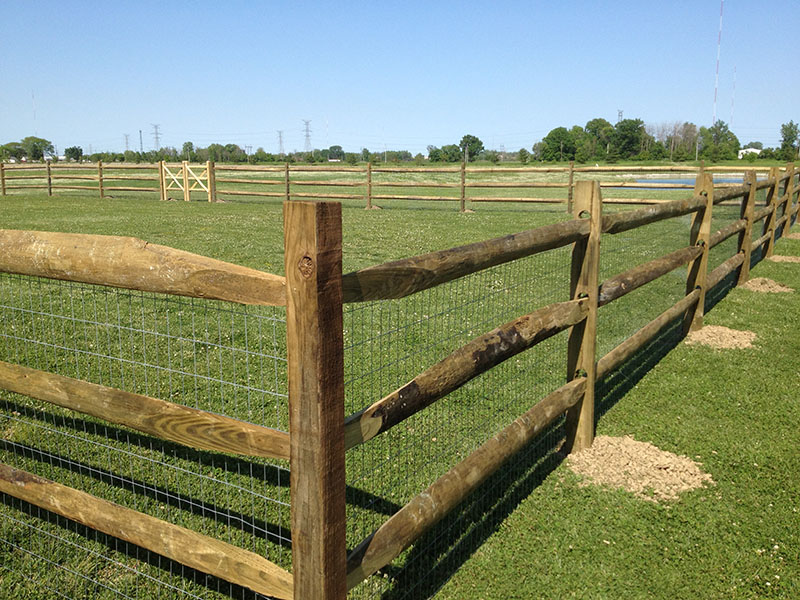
[308,135]
[716,78]
[127,146]
[280,142]
[156,137]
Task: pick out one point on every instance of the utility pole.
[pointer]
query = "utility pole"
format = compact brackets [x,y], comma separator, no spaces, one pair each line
[126,141]
[156,137]
[308,135]
[280,142]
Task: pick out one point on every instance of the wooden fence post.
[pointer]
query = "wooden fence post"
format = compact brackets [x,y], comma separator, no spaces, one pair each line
[746,236]
[49,180]
[187,194]
[287,182]
[581,360]
[369,185]
[2,179]
[699,236]
[100,178]
[788,192]
[162,181]
[211,181]
[463,197]
[570,194]
[313,263]
[769,223]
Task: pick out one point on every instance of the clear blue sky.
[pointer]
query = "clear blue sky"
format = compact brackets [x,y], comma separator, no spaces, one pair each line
[401,75]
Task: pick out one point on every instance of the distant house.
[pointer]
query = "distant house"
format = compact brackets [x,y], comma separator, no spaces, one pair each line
[745,151]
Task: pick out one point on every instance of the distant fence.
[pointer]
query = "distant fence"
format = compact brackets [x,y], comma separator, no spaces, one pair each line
[349,339]
[370,183]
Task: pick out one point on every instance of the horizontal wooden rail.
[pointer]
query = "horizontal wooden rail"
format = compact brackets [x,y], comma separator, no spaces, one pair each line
[410,184]
[251,193]
[515,184]
[302,182]
[466,363]
[764,183]
[407,276]
[731,193]
[757,243]
[327,195]
[781,221]
[623,221]
[251,181]
[626,349]
[63,177]
[131,263]
[187,547]
[426,509]
[725,269]
[518,199]
[220,167]
[762,213]
[78,187]
[18,177]
[29,187]
[173,422]
[619,285]
[112,188]
[723,234]
[399,197]
[417,170]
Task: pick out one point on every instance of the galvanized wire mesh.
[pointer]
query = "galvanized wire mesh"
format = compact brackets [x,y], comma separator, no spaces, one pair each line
[214,356]
[387,343]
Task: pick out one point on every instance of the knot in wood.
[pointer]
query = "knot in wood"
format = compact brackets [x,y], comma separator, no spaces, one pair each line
[306,266]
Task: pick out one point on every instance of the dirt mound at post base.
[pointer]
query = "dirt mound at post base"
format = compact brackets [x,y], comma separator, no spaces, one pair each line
[793,236]
[762,284]
[784,259]
[638,467]
[717,336]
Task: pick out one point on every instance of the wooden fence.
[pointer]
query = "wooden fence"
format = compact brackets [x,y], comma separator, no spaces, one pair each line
[313,292]
[369,184]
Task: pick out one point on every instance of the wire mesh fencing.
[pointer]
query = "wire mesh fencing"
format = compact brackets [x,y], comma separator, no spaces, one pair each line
[218,357]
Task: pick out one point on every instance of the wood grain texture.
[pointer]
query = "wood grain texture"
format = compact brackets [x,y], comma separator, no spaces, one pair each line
[772,215]
[177,543]
[623,221]
[619,285]
[746,235]
[724,269]
[131,263]
[173,422]
[723,234]
[469,361]
[700,235]
[404,277]
[426,509]
[313,257]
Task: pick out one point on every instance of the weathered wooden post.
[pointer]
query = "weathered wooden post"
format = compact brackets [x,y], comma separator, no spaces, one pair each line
[162,181]
[100,178]
[583,336]
[699,236]
[463,190]
[570,186]
[769,223]
[746,236]
[211,181]
[2,179]
[369,185]
[49,180]
[791,189]
[286,182]
[187,194]
[313,263]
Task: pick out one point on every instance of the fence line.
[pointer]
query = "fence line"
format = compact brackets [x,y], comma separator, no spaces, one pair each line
[183,179]
[314,292]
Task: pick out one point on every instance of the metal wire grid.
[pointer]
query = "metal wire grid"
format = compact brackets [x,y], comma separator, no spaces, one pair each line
[210,355]
[387,343]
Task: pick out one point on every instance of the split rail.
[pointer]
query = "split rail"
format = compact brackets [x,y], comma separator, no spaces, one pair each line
[314,291]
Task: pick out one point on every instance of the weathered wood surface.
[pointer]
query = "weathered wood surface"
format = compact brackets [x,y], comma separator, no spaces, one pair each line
[314,339]
[623,221]
[761,213]
[582,341]
[177,543]
[762,240]
[173,422]
[725,269]
[772,201]
[404,277]
[131,263]
[628,348]
[723,234]
[619,285]
[746,235]
[730,193]
[699,236]
[466,363]
[426,509]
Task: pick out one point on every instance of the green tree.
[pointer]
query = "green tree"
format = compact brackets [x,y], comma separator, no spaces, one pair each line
[628,137]
[34,148]
[493,156]
[74,153]
[451,153]
[558,145]
[790,132]
[365,155]
[188,151]
[599,134]
[11,150]
[335,153]
[718,142]
[523,155]
[472,145]
[351,158]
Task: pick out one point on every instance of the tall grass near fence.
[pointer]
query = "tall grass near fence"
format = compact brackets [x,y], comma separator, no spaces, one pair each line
[418,327]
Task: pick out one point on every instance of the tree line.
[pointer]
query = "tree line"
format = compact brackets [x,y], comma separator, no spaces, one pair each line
[597,141]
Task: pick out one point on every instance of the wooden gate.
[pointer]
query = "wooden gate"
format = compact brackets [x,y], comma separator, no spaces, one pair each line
[186,180]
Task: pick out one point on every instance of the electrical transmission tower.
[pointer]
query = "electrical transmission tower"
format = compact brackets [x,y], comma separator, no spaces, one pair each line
[280,142]
[619,115]
[156,137]
[307,131]
[127,137]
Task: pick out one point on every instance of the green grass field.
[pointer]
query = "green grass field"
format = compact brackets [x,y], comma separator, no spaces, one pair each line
[733,410]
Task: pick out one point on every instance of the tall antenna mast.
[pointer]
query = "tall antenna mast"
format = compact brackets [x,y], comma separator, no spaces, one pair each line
[280,142]
[308,135]
[157,137]
[127,136]
[716,78]
[733,97]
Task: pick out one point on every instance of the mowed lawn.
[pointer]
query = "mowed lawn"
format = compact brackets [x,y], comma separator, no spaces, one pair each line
[736,411]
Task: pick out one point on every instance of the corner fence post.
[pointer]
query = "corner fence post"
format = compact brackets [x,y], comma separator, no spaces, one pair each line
[49,180]
[100,178]
[187,194]
[746,236]
[211,181]
[699,236]
[313,263]
[2,179]
[286,182]
[369,185]
[571,186]
[769,222]
[463,187]
[790,189]
[581,360]
[162,181]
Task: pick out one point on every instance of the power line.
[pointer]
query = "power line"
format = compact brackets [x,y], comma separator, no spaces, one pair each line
[308,135]
[156,137]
